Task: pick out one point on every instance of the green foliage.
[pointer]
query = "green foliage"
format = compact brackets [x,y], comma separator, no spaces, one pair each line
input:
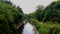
[52,12]
[9,17]
[49,13]
[45,28]
[39,13]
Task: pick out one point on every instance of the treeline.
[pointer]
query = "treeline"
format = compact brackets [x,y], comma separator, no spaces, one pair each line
[46,19]
[10,15]
[49,13]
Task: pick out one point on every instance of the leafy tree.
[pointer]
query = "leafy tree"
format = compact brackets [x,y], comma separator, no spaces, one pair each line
[40,12]
[52,12]
[8,18]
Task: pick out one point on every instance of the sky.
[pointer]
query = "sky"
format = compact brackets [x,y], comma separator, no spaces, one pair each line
[29,6]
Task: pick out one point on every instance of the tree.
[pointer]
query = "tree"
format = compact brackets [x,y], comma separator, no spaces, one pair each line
[8,15]
[52,12]
[40,12]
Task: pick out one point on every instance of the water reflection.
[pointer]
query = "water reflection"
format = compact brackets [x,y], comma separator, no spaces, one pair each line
[29,29]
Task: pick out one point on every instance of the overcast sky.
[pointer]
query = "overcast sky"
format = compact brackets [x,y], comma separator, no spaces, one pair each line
[29,6]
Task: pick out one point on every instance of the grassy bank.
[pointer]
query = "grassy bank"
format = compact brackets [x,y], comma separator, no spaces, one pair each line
[46,28]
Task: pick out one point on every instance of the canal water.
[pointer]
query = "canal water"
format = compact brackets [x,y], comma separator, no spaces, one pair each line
[29,29]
